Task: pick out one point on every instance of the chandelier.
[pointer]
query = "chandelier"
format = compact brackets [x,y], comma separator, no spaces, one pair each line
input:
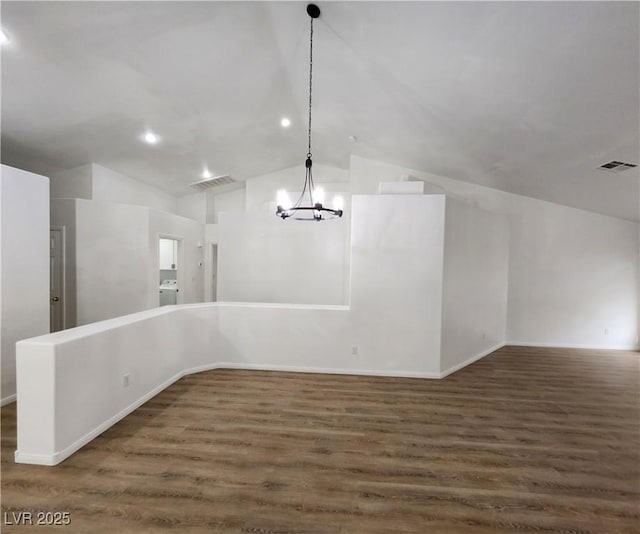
[315,210]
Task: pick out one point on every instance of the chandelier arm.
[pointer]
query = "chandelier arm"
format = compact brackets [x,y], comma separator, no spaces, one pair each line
[304,189]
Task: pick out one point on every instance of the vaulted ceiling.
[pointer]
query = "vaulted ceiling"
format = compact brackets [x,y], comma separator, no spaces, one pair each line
[527,97]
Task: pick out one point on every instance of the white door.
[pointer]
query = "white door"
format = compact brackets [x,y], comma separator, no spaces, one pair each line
[56,280]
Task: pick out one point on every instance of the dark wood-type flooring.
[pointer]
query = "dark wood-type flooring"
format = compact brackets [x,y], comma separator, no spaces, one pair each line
[542,440]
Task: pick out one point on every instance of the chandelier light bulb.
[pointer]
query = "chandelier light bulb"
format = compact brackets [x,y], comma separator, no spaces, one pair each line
[318,195]
[282,199]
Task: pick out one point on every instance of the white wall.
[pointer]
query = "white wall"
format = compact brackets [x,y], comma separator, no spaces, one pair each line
[113,260]
[474,297]
[24,265]
[72,183]
[397,246]
[193,206]
[111,186]
[572,273]
[573,278]
[262,258]
[112,254]
[229,202]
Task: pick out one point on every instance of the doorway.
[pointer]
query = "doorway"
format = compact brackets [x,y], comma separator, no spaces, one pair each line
[168,262]
[56,279]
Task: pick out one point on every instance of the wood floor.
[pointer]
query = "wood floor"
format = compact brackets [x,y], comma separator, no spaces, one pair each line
[523,440]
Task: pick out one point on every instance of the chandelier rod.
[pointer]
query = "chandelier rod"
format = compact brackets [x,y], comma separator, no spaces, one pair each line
[310,81]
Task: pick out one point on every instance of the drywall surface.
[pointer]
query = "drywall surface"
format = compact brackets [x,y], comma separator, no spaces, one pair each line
[193,207]
[63,214]
[95,182]
[111,186]
[117,258]
[231,201]
[573,278]
[112,251]
[573,274]
[24,265]
[262,258]
[397,244]
[72,183]
[474,297]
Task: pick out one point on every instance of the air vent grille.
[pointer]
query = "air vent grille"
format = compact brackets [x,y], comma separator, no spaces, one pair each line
[616,166]
[210,183]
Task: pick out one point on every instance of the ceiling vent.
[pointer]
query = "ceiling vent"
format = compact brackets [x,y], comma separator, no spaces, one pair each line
[210,183]
[616,166]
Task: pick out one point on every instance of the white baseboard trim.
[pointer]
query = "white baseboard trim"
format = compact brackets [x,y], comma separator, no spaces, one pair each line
[326,370]
[35,459]
[8,400]
[572,346]
[471,360]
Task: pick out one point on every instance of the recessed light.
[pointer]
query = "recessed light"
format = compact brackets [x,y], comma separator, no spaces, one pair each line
[3,38]
[151,138]
[285,122]
[206,174]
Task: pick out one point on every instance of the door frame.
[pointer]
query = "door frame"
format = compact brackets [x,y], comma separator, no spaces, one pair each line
[213,267]
[63,232]
[179,265]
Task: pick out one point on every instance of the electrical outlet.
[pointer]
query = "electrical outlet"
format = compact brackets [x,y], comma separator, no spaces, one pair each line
[354,350]
[606,331]
[126,380]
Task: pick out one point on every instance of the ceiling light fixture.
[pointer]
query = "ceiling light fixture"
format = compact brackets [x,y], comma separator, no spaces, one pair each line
[285,122]
[315,211]
[206,174]
[150,138]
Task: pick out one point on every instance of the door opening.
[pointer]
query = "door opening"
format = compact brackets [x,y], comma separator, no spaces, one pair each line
[168,263]
[56,280]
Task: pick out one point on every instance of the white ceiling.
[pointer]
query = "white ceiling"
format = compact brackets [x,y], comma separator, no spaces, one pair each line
[527,97]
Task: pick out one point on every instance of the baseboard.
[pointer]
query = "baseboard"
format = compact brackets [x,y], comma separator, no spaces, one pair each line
[471,360]
[326,370]
[572,346]
[34,459]
[8,400]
